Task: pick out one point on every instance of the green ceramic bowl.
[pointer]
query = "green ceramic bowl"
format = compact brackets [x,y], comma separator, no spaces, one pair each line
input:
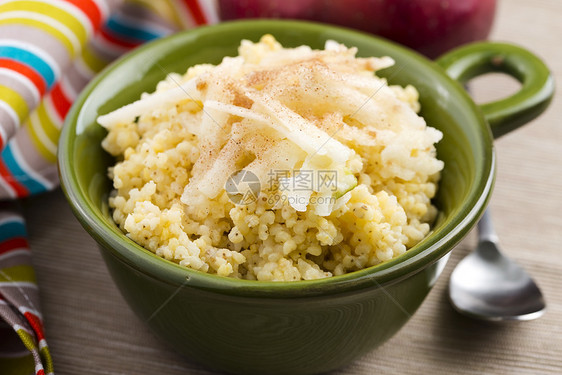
[307,326]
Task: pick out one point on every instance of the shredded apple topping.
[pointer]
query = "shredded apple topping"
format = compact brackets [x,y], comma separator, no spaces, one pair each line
[297,110]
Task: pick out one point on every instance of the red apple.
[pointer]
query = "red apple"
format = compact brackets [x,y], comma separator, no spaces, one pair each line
[429,26]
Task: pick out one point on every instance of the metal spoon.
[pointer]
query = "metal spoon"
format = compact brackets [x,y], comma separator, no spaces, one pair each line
[487,285]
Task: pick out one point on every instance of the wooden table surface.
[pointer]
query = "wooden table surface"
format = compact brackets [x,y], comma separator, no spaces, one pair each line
[91,330]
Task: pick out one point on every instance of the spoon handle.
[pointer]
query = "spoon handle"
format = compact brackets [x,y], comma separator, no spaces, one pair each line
[486,230]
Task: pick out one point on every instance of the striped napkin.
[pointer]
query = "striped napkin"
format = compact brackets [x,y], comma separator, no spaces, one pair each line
[49,50]
[23,344]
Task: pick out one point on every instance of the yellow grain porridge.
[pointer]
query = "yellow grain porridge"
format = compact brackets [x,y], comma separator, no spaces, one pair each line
[278,164]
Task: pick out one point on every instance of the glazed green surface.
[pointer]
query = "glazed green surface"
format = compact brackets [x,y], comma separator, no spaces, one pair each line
[297,327]
[537,84]
[271,336]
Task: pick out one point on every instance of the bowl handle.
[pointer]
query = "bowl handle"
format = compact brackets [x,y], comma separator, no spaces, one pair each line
[537,84]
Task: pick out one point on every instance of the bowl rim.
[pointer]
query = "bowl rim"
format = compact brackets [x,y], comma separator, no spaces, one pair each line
[425,253]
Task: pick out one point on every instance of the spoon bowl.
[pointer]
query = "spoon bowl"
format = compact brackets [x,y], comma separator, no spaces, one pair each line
[488,285]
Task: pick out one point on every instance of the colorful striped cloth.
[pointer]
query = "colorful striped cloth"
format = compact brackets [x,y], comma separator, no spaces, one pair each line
[49,50]
[23,341]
